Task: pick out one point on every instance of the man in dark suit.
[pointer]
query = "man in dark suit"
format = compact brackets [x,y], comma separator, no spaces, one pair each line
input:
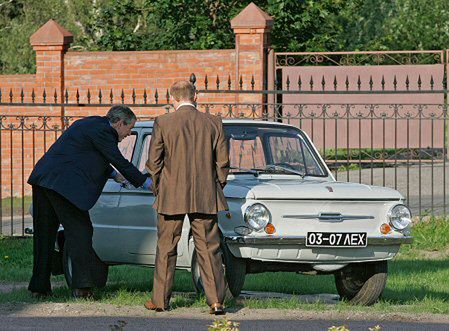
[188,161]
[66,182]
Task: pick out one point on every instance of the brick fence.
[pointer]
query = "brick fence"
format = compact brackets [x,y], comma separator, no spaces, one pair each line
[60,70]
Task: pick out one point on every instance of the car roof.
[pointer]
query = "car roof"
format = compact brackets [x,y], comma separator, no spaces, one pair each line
[149,124]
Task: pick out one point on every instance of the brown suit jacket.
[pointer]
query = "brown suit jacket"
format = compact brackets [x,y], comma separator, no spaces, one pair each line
[189,162]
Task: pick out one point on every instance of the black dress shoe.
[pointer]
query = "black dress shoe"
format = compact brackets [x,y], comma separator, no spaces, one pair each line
[82,293]
[217,309]
[41,295]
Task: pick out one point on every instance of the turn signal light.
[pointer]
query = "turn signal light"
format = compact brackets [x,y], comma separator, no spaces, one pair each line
[270,229]
[385,228]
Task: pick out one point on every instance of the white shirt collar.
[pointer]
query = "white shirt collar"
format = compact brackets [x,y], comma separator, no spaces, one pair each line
[185,104]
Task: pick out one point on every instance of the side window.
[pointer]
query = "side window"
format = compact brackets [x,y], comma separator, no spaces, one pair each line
[144,153]
[126,146]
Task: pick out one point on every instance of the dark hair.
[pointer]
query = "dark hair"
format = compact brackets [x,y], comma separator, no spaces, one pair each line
[120,112]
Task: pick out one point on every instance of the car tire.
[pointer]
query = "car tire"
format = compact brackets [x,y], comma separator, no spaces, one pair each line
[362,283]
[67,266]
[235,272]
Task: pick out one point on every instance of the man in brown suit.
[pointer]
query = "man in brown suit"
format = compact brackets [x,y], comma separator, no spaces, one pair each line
[188,161]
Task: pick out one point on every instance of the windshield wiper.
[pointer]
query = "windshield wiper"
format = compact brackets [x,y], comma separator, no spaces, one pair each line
[273,167]
[255,172]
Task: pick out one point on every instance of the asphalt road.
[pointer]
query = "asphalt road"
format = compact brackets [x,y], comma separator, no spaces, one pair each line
[154,323]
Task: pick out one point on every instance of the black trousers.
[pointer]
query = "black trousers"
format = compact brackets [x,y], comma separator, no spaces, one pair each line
[49,210]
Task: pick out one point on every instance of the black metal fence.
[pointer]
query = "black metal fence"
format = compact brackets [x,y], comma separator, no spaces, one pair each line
[375,141]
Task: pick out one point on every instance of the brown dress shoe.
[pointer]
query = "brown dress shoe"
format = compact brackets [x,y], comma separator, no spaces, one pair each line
[83,293]
[217,309]
[151,306]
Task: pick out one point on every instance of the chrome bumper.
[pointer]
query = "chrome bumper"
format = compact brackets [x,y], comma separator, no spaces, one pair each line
[301,240]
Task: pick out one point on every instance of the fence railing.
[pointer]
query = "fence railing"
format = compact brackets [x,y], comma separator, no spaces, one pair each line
[371,132]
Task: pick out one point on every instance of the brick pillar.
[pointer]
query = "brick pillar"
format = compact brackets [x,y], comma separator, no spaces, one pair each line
[252,39]
[50,43]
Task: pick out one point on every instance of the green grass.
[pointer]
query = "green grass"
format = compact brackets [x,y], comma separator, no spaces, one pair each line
[416,282]
[16,205]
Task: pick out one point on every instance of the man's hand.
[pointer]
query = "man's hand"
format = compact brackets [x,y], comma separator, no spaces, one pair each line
[127,185]
[148,184]
[117,177]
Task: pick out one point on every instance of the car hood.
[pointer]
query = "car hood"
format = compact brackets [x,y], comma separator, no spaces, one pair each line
[310,189]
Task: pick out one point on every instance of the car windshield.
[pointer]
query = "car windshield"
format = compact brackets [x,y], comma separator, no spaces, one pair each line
[271,149]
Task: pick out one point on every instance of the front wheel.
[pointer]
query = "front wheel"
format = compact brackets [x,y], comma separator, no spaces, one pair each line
[362,283]
[234,268]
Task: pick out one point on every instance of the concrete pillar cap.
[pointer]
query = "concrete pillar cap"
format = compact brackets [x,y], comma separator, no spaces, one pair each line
[51,34]
[252,17]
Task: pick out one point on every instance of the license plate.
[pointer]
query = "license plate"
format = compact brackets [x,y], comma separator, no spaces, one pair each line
[336,239]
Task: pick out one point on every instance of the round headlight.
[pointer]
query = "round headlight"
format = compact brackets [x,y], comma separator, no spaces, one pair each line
[257,216]
[400,217]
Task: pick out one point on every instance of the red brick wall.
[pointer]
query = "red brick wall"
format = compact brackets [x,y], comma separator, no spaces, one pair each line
[58,71]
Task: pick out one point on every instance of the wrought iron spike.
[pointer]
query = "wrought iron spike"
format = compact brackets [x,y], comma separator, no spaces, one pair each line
[419,82]
[22,95]
[100,96]
[229,82]
[88,96]
[192,78]
[252,82]
[156,96]
[122,96]
[145,96]
[431,82]
[134,96]
[383,82]
[55,96]
[395,82]
[1,94]
[241,82]
[347,82]
[167,96]
[33,96]
[371,83]
[335,83]
[111,96]
[359,83]
[311,82]
[444,82]
[299,82]
[323,83]
[77,96]
[287,82]
[218,82]
[66,96]
[407,83]
[44,96]
[205,82]
[10,95]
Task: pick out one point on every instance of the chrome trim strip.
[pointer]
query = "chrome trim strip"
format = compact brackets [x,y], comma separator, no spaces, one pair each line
[301,240]
[330,217]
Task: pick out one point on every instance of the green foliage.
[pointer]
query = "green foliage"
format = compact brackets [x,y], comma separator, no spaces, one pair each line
[306,25]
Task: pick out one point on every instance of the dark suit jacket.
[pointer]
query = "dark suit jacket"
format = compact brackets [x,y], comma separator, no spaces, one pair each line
[188,160]
[77,165]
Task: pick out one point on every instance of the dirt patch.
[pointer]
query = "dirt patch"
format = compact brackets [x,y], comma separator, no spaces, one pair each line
[94,309]
[435,255]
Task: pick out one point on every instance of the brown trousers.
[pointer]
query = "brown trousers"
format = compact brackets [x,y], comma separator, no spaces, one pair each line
[206,237]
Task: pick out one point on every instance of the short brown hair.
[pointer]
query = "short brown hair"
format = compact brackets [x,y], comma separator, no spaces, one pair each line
[183,90]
